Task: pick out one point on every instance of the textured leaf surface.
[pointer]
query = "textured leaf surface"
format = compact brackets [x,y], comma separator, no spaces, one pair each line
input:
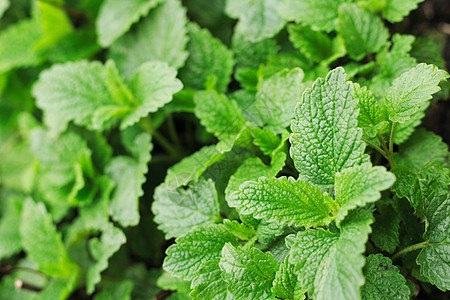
[209,60]
[319,13]
[9,231]
[257,19]
[362,31]
[249,273]
[284,200]
[285,284]
[369,118]
[325,138]
[220,116]
[177,211]
[360,185]
[329,265]
[191,251]
[383,280]
[116,17]
[277,97]
[208,283]
[42,242]
[434,260]
[385,234]
[161,36]
[411,89]
[395,10]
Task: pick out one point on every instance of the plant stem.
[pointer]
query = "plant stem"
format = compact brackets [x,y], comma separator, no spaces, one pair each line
[147,125]
[173,131]
[410,248]
[389,155]
[391,138]
[375,146]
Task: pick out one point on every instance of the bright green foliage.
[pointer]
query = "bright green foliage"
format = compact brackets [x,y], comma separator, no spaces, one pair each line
[161,36]
[363,32]
[116,17]
[248,272]
[385,229]
[43,243]
[395,10]
[251,55]
[209,284]
[9,231]
[422,147]
[220,116]
[277,97]
[434,259]
[240,230]
[329,265]
[65,93]
[325,138]
[178,210]
[319,13]
[198,246]
[285,284]
[257,19]
[129,175]
[267,141]
[369,118]
[284,200]
[209,62]
[383,280]
[412,89]
[119,291]
[360,185]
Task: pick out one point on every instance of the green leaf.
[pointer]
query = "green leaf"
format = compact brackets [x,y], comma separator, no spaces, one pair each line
[208,60]
[385,233]
[422,147]
[208,283]
[129,175]
[93,95]
[277,97]
[43,243]
[395,10]
[119,290]
[268,141]
[363,32]
[4,5]
[251,55]
[284,200]
[411,89]
[319,13]
[434,260]
[191,251]
[101,249]
[383,280]
[257,19]
[9,231]
[285,284]
[17,45]
[179,210]
[325,138]
[240,230]
[329,265]
[220,116]
[248,272]
[404,130]
[116,17]
[161,36]
[369,118]
[359,185]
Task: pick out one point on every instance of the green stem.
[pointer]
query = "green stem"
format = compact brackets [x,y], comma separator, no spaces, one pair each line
[389,155]
[410,249]
[375,146]
[173,131]
[391,138]
[147,125]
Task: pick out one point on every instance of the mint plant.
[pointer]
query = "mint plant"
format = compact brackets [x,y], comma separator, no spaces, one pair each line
[225,149]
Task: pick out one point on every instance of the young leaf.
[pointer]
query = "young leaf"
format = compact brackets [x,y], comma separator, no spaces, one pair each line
[209,60]
[395,10]
[161,36]
[329,265]
[249,273]
[325,138]
[411,89]
[220,116]
[285,284]
[369,118]
[116,17]
[252,55]
[9,231]
[257,19]
[383,280]
[177,211]
[362,31]
[284,200]
[359,185]
[434,259]
[208,283]
[191,251]
[319,13]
